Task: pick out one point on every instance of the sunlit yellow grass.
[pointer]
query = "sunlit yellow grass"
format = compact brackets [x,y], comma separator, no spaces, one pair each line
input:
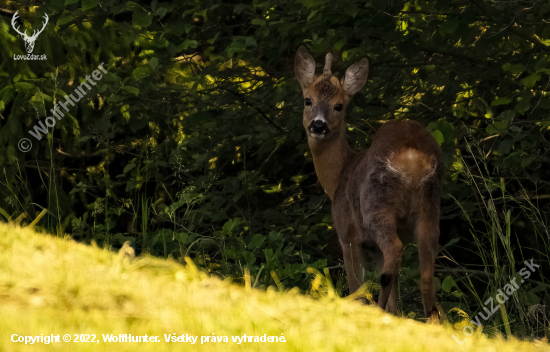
[53,286]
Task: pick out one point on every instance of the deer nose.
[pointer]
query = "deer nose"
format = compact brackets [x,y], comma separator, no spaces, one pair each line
[318,126]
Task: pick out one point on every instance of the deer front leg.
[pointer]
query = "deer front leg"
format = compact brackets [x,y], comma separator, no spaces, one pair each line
[353,258]
[354,263]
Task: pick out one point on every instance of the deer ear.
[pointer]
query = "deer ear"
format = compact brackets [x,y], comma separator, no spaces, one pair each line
[356,76]
[304,67]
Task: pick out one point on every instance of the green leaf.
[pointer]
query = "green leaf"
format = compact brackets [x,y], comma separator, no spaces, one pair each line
[505,146]
[231,224]
[299,178]
[351,9]
[131,89]
[448,284]
[437,283]
[256,241]
[314,202]
[161,11]
[63,19]
[189,43]
[114,98]
[141,72]
[448,27]
[25,87]
[141,18]
[501,101]
[530,81]
[496,127]
[312,14]
[258,22]
[250,41]
[522,106]
[132,6]
[240,8]
[212,40]
[507,115]
[188,12]
[438,136]
[339,44]
[544,70]
[137,124]
[154,62]
[517,68]
[183,237]
[249,257]
[128,167]
[526,161]
[201,13]
[450,243]
[88,4]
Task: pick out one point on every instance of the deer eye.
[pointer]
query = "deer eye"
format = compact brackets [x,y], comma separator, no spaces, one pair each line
[307,102]
[338,107]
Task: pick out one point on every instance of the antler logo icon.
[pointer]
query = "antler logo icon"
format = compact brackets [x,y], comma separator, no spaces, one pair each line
[29,40]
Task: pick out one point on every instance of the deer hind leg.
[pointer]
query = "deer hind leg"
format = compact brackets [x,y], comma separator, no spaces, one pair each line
[391,306]
[427,237]
[383,232]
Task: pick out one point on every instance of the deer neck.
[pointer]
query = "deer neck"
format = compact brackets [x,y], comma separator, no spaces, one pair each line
[330,157]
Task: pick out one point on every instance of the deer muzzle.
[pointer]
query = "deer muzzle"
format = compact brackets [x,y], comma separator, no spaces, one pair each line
[318,128]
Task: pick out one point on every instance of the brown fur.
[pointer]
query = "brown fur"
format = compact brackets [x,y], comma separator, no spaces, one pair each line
[381,197]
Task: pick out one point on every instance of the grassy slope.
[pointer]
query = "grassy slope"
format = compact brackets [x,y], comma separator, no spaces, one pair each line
[53,286]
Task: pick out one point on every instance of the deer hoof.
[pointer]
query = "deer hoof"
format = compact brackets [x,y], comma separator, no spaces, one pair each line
[362,300]
[433,318]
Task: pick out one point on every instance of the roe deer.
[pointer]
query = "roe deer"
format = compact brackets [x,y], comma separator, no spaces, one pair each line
[381,197]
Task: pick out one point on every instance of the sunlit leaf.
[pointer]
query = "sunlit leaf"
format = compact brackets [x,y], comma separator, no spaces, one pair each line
[438,137]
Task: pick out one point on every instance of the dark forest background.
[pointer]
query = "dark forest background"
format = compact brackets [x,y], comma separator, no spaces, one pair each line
[193,145]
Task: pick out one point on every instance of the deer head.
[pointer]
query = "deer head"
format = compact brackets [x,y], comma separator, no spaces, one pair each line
[29,40]
[325,97]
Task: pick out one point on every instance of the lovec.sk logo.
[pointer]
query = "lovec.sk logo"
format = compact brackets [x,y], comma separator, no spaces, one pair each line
[29,40]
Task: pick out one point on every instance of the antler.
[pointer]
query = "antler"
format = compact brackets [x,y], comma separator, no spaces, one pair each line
[34,34]
[15,16]
[328,63]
